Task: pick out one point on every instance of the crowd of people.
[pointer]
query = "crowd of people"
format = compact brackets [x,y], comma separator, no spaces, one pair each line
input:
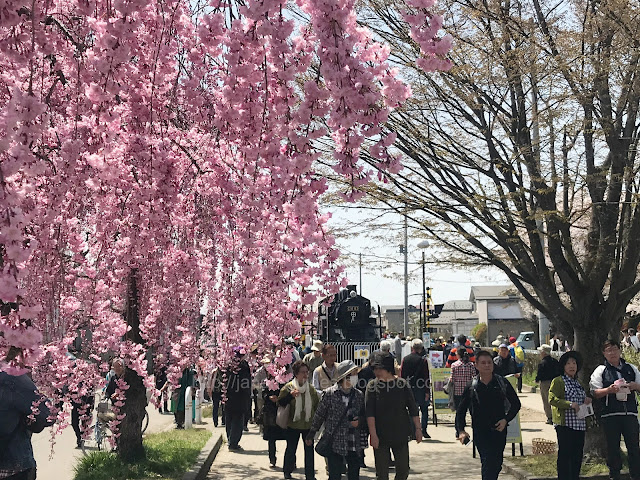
[339,410]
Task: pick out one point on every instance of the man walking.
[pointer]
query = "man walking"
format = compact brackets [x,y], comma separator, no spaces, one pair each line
[548,369]
[238,397]
[18,423]
[615,384]
[325,376]
[415,370]
[504,362]
[493,403]
[314,358]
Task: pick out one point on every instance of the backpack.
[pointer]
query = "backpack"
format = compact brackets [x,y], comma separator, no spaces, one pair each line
[502,383]
[519,354]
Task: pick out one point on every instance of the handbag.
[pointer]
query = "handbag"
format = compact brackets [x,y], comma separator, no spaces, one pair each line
[324,446]
[282,417]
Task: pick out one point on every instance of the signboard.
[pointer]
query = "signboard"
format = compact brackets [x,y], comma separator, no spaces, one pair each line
[361,352]
[426,339]
[438,378]
[436,357]
[514,433]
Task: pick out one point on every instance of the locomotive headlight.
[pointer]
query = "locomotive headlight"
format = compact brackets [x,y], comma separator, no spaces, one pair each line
[352,294]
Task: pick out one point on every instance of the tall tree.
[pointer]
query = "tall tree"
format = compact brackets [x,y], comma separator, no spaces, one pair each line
[176,139]
[523,155]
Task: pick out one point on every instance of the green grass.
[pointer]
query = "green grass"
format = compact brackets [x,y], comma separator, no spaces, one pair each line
[529,379]
[169,456]
[545,466]
[207,411]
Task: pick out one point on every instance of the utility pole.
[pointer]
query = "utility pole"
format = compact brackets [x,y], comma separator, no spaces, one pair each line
[406,279]
[423,310]
[360,286]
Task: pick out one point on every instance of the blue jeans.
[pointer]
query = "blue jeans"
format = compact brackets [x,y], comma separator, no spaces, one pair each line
[234,422]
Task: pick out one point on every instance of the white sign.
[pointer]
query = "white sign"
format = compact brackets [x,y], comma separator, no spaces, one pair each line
[426,339]
[436,357]
[361,352]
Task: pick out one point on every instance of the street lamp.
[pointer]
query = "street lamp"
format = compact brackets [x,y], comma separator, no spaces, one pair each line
[423,311]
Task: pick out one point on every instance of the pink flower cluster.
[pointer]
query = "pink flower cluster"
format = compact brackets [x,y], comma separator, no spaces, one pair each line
[174,143]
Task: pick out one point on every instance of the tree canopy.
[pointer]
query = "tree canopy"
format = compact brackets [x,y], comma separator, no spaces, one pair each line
[523,155]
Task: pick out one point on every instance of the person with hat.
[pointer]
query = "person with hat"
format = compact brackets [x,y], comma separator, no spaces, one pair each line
[392,417]
[517,352]
[341,411]
[615,385]
[565,396]
[505,364]
[548,369]
[314,359]
[303,400]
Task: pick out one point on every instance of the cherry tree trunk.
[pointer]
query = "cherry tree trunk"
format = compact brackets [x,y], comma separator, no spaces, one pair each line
[130,448]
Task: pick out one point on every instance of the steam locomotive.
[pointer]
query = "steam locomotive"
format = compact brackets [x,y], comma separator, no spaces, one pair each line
[347,317]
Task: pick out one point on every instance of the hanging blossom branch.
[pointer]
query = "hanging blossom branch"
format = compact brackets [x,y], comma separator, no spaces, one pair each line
[147,136]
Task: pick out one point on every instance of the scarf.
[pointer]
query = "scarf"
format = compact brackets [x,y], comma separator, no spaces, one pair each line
[305,392]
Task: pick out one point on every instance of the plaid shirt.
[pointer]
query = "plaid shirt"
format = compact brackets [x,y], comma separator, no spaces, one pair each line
[573,392]
[462,373]
[331,410]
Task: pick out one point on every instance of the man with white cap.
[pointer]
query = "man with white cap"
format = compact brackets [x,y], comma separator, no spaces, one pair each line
[314,359]
[548,369]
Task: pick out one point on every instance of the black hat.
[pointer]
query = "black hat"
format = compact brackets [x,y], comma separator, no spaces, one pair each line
[570,354]
[384,360]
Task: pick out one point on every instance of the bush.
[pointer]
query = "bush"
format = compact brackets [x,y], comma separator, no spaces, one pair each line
[479,332]
[169,456]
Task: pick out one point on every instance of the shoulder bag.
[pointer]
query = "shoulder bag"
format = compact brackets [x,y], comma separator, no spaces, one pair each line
[324,446]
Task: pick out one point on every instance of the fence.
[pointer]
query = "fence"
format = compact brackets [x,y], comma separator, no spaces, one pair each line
[359,352]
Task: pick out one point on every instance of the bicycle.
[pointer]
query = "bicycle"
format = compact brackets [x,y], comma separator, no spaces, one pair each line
[101,430]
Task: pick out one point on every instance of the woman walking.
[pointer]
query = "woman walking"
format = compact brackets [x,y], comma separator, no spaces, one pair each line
[303,398]
[565,396]
[271,431]
[392,417]
[341,410]
[462,372]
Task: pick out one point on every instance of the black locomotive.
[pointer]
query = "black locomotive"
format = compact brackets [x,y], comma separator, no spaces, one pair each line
[347,317]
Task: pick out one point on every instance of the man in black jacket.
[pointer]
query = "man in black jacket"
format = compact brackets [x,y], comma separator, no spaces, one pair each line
[493,403]
[415,369]
[17,395]
[615,385]
[548,369]
[505,364]
[238,397]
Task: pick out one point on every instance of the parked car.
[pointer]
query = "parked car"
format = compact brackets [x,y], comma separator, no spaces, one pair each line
[527,340]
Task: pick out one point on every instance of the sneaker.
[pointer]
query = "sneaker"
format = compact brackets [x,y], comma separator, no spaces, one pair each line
[236,448]
[426,435]
[287,476]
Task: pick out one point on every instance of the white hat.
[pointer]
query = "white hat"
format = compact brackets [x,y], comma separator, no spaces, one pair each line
[317,346]
[544,348]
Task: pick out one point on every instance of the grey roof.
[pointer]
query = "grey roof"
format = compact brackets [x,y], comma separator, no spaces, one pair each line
[457,305]
[453,316]
[493,292]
